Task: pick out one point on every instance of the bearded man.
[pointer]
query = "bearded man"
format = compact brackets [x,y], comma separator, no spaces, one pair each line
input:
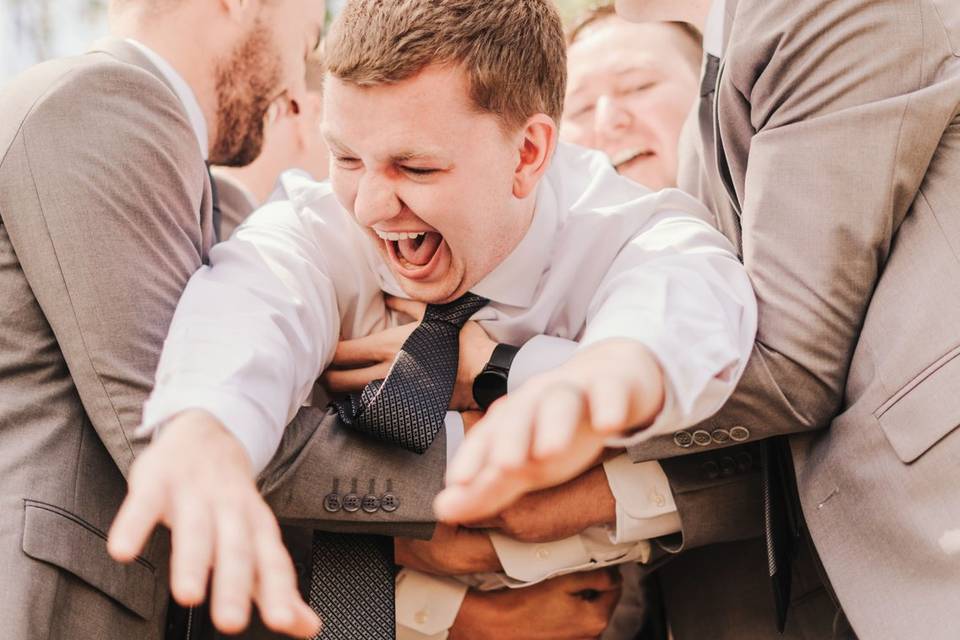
[107,209]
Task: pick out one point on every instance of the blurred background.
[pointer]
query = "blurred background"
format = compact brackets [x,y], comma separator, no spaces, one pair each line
[35,30]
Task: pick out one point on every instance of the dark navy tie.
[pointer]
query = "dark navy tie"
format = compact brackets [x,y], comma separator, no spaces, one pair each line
[352,576]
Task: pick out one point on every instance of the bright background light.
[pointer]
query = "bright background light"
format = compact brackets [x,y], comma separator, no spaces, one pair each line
[36,30]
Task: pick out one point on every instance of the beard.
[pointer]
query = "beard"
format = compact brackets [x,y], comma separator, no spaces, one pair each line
[247,81]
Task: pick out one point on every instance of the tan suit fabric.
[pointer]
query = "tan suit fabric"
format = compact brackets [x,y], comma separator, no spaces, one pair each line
[105,212]
[839,123]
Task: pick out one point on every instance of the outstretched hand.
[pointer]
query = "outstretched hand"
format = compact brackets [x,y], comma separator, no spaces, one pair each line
[197,479]
[552,428]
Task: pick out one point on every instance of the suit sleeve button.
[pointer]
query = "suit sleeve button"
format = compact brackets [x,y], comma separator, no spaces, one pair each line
[683,439]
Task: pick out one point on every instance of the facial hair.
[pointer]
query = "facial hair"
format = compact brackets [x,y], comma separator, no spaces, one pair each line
[247,81]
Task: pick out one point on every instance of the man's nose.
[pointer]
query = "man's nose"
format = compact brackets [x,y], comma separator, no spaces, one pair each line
[611,117]
[376,199]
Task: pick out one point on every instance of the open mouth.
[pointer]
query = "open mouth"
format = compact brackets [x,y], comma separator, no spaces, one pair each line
[625,157]
[414,253]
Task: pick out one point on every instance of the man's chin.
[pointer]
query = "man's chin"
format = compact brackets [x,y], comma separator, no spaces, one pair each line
[435,292]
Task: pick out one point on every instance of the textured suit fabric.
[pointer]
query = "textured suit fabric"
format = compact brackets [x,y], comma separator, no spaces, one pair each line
[102,193]
[839,124]
[104,214]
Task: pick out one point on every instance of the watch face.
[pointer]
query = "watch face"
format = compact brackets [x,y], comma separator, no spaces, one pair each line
[488,387]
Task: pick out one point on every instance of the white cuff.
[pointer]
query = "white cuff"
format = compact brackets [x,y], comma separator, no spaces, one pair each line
[537,355]
[453,425]
[529,563]
[427,605]
[244,419]
[645,504]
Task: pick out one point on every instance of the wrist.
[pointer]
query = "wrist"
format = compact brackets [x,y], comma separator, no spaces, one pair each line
[200,430]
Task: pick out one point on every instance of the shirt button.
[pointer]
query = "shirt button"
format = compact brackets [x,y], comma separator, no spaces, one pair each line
[420,617]
[701,438]
[739,433]
[657,498]
[720,436]
[543,553]
[683,439]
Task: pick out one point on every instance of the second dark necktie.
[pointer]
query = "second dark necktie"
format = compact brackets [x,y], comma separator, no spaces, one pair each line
[352,580]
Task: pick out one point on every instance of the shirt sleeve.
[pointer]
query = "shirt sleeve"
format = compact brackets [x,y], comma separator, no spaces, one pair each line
[678,288]
[540,353]
[426,605]
[526,563]
[645,505]
[254,329]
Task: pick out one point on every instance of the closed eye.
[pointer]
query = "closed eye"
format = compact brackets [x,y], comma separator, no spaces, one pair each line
[419,171]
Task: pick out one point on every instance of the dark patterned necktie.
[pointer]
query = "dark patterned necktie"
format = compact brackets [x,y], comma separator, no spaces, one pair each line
[352,577]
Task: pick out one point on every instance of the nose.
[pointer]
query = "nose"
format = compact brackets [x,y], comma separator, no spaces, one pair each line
[611,117]
[376,199]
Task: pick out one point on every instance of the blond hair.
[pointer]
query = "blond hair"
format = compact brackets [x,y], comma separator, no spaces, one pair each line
[606,10]
[513,51]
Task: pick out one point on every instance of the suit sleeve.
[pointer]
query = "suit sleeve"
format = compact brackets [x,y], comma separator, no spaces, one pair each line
[842,138]
[841,144]
[115,233]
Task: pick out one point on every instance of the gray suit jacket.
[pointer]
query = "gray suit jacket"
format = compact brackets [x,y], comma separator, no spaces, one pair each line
[833,162]
[104,215]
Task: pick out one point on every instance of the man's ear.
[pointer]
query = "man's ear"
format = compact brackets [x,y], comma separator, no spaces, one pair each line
[538,141]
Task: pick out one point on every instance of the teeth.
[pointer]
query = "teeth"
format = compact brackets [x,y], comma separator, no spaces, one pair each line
[394,236]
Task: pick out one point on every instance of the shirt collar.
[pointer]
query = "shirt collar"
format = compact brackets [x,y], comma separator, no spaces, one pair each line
[183,91]
[713,35]
[515,281]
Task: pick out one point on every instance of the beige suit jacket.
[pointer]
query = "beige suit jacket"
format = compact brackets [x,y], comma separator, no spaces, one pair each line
[104,214]
[838,122]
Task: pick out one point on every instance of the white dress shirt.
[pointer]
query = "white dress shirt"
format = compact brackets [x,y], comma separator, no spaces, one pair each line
[603,258]
[713,29]
[183,91]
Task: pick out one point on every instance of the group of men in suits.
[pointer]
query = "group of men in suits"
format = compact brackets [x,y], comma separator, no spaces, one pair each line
[816,501]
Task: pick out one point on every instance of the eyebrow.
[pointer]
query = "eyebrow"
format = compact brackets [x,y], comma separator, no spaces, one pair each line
[631,67]
[395,158]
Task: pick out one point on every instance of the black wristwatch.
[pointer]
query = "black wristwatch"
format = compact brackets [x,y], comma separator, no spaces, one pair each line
[491,383]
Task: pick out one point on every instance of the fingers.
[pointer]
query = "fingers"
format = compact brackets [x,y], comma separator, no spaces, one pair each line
[191,558]
[412,308]
[278,598]
[603,580]
[141,511]
[489,493]
[378,347]
[347,380]
[234,574]
[560,413]
[609,402]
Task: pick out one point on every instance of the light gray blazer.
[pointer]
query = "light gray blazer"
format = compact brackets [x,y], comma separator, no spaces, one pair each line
[838,124]
[104,214]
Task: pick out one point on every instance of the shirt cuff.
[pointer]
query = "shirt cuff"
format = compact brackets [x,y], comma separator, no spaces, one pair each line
[453,425]
[427,605]
[645,504]
[240,417]
[537,355]
[525,564]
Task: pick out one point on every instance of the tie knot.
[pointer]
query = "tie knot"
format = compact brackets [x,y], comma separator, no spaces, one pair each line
[457,312]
